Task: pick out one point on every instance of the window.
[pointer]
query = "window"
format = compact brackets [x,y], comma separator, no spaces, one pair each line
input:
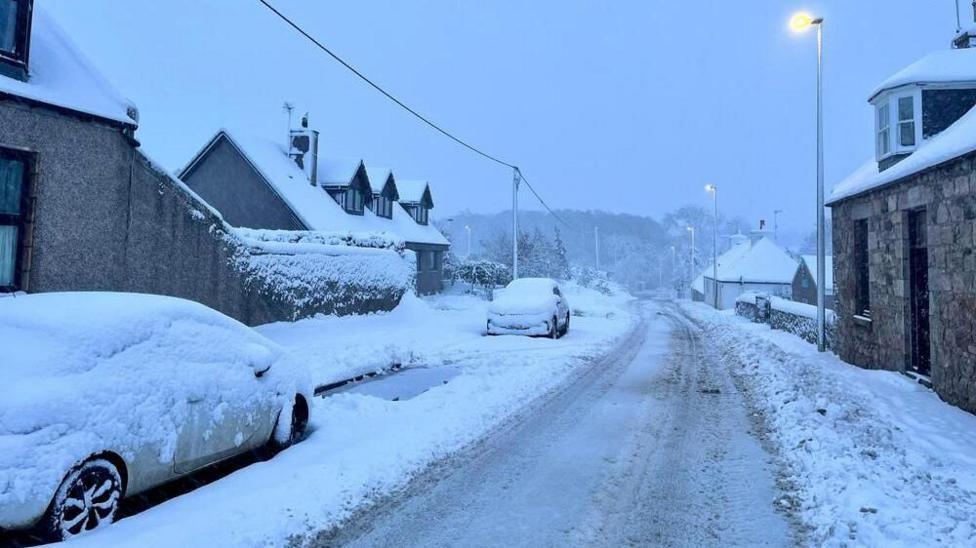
[13,217]
[354,200]
[383,206]
[340,198]
[805,282]
[884,130]
[421,255]
[420,214]
[14,37]
[906,121]
[435,260]
[862,278]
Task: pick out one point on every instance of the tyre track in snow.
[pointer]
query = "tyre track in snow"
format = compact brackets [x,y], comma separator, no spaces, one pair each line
[651,446]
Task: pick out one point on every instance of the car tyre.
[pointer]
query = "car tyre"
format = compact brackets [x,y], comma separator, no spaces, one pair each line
[554,328]
[88,498]
[565,326]
[296,429]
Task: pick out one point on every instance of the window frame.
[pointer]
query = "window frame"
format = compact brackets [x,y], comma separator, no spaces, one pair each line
[14,64]
[22,220]
[888,123]
[355,200]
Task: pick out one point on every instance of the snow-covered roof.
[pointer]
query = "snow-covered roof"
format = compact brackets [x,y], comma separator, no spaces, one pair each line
[61,76]
[811,262]
[412,191]
[338,171]
[940,67]
[312,204]
[957,140]
[761,262]
[740,245]
[378,177]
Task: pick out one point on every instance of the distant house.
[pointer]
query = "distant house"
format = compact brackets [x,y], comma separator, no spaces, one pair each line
[82,208]
[805,281]
[750,265]
[261,184]
[904,227]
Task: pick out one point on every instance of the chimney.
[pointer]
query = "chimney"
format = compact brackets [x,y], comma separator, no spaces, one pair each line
[965,38]
[304,149]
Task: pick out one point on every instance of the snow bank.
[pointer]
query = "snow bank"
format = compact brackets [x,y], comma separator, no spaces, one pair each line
[92,372]
[872,458]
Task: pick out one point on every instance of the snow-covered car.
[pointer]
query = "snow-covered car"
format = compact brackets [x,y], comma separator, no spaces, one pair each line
[105,395]
[529,306]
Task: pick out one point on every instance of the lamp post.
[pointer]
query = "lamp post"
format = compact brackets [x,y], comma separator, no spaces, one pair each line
[691,283]
[596,240]
[801,22]
[714,190]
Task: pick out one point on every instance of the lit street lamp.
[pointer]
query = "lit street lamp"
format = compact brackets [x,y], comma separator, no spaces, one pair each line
[799,23]
[714,190]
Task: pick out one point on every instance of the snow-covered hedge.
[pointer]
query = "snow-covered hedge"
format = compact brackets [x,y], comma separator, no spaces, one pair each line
[324,272]
[793,317]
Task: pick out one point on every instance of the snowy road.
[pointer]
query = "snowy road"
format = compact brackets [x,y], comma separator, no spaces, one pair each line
[653,446]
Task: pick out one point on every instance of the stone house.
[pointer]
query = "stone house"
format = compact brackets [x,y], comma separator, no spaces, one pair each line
[82,208]
[259,183]
[904,227]
[805,281]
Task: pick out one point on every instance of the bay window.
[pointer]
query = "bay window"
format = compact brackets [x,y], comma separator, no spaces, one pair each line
[13,217]
[14,37]
[898,123]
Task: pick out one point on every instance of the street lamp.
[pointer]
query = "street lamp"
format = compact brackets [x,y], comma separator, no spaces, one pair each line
[799,23]
[714,190]
[691,284]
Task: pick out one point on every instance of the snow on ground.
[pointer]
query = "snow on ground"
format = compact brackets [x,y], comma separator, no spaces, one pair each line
[875,459]
[363,447]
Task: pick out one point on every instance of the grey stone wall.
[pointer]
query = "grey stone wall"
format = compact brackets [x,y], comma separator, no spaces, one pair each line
[948,193]
[106,219]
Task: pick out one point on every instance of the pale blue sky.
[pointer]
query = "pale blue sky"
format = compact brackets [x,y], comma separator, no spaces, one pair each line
[628,106]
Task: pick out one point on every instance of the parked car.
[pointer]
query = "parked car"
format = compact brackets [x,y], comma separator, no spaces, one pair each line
[529,306]
[105,395]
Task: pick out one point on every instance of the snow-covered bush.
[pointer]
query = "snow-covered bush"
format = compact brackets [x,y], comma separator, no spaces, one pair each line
[484,275]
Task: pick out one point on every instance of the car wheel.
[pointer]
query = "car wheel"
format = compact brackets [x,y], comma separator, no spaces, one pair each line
[566,325]
[554,328]
[297,426]
[88,498]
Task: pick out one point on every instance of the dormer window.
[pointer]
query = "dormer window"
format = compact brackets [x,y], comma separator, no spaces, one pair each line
[14,37]
[354,200]
[420,214]
[898,124]
[383,206]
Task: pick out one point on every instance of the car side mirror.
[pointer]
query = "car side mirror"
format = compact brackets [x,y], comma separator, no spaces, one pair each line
[260,359]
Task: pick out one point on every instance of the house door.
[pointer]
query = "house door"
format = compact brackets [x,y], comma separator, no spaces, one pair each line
[918,259]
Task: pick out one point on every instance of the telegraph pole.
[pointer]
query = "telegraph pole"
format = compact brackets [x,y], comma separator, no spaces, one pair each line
[515,229]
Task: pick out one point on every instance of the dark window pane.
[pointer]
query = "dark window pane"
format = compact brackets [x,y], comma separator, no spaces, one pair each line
[8,255]
[907,131]
[906,108]
[11,183]
[8,26]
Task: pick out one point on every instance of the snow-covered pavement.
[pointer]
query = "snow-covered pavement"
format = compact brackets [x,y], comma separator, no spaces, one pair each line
[653,446]
[362,446]
[870,458]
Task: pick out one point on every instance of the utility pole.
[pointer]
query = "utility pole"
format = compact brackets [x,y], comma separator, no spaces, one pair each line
[467,228]
[714,190]
[515,228]
[596,236]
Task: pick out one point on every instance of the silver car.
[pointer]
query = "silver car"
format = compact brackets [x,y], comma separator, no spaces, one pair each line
[529,306]
[106,395]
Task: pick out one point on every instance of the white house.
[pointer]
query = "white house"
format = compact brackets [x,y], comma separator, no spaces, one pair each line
[758,265]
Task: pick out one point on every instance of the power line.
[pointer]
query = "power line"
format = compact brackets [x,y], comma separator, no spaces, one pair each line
[419,116]
[389,96]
